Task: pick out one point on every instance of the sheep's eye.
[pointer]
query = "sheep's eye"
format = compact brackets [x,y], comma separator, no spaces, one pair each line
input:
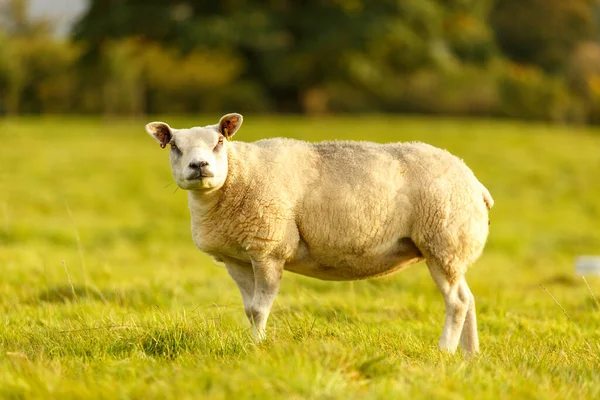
[220,140]
[175,149]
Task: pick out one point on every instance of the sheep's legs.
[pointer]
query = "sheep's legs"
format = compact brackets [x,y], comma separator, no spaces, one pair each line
[469,340]
[267,279]
[244,278]
[457,301]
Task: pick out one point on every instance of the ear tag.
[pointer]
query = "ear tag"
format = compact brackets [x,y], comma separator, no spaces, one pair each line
[163,141]
[226,132]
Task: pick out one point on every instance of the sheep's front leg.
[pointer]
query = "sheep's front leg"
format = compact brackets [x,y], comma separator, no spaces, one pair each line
[267,279]
[244,278]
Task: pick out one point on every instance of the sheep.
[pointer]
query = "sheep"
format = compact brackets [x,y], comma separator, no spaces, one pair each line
[334,210]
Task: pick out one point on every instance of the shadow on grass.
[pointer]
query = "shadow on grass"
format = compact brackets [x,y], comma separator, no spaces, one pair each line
[131,297]
[563,280]
[68,293]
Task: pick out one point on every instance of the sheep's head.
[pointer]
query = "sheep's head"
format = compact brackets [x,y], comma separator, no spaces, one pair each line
[198,155]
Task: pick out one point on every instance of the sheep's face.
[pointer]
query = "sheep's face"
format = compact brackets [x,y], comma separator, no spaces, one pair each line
[198,158]
[198,155]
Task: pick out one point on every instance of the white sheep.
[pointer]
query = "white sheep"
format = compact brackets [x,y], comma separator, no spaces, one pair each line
[338,210]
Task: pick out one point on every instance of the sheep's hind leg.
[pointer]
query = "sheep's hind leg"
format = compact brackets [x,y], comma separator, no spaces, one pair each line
[457,304]
[267,279]
[469,340]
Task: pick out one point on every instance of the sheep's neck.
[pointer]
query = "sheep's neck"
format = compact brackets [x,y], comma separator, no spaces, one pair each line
[200,203]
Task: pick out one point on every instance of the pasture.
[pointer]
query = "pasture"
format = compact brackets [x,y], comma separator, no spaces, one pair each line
[103,294]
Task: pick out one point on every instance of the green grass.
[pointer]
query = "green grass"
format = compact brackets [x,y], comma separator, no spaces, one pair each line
[103,295]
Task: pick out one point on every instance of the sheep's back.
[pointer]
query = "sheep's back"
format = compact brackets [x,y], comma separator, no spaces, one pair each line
[367,196]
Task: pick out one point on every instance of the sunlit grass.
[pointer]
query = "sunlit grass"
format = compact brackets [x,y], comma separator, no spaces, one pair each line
[103,295]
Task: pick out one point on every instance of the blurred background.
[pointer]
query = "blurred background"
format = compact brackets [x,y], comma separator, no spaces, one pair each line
[101,288]
[525,59]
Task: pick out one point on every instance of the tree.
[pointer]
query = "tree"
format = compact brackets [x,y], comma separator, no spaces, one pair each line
[17,23]
[291,49]
[542,32]
[35,73]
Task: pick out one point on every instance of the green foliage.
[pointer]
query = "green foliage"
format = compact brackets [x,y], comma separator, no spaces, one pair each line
[36,70]
[12,78]
[293,50]
[458,91]
[470,38]
[543,32]
[528,93]
[583,76]
[456,57]
[37,75]
[103,294]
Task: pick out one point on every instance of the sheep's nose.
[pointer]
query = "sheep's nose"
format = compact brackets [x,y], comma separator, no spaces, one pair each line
[198,164]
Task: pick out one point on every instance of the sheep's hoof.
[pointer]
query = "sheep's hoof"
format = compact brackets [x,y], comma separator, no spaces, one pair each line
[259,335]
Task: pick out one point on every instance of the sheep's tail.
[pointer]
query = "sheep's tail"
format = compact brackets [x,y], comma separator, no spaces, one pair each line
[487,197]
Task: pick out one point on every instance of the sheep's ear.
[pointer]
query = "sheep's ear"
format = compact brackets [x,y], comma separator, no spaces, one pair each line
[161,132]
[229,124]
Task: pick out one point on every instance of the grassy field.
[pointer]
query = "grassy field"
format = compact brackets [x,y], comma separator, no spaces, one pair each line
[103,295]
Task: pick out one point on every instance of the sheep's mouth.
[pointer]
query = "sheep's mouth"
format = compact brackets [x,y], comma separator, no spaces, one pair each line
[199,176]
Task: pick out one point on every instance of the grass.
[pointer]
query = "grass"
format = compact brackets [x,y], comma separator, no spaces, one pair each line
[103,295]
